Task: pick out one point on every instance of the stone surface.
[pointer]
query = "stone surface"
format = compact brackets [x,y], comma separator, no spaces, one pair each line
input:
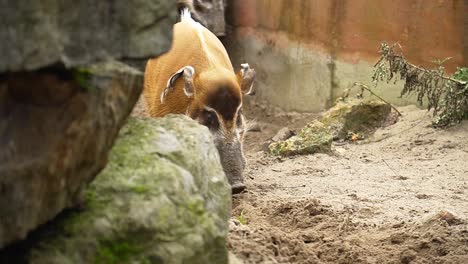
[254,126]
[163,198]
[140,109]
[313,138]
[56,128]
[289,76]
[208,12]
[283,134]
[36,34]
[356,117]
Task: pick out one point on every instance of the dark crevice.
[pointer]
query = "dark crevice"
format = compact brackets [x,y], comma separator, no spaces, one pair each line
[18,252]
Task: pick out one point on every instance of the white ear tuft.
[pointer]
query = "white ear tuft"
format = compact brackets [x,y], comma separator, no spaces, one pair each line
[248,77]
[189,89]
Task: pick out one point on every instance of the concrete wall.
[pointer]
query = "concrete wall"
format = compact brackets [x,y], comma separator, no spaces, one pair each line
[306,52]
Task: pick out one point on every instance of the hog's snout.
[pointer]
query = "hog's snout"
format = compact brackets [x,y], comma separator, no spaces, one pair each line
[233,162]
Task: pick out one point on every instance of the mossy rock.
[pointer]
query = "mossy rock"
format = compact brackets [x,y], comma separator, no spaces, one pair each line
[313,138]
[61,126]
[163,198]
[356,116]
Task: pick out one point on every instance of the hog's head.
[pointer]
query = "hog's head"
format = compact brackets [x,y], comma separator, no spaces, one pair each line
[216,102]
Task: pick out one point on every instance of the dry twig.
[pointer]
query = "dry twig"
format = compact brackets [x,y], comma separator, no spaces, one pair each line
[363,86]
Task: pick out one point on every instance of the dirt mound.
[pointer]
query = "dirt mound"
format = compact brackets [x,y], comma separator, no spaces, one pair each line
[397,197]
[307,231]
[433,241]
[280,231]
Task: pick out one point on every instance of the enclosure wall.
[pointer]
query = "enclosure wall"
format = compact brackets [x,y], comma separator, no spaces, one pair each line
[307,52]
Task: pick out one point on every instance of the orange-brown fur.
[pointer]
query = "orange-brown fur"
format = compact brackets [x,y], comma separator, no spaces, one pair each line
[195,46]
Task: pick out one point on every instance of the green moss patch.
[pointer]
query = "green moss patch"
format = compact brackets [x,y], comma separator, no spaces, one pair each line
[163,198]
[116,251]
[313,138]
[353,119]
[357,117]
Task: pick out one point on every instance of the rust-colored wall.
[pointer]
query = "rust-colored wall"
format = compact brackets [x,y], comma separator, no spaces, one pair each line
[352,30]
[307,52]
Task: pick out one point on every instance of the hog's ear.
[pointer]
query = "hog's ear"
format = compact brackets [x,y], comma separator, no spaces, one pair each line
[187,73]
[246,77]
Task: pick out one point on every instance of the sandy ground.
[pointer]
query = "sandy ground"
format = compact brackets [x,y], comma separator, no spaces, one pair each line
[400,196]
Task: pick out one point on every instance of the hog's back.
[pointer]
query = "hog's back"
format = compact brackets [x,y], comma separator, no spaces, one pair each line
[193,45]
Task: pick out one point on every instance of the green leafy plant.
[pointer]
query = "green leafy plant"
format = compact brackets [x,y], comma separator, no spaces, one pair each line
[447,96]
[241,218]
[83,76]
[461,74]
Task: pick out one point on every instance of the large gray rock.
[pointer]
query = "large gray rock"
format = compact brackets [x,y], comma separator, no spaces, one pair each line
[56,129]
[210,13]
[163,198]
[59,117]
[35,34]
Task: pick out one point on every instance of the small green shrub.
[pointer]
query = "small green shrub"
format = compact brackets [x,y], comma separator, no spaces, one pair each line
[241,218]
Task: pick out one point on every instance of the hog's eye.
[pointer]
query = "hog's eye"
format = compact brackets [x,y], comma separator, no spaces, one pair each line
[210,119]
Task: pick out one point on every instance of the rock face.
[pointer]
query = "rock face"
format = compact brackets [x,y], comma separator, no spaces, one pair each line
[357,117]
[59,116]
[208,12]
[35,34]
[163,198]
[56,128]
[352,117]
[313,138]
